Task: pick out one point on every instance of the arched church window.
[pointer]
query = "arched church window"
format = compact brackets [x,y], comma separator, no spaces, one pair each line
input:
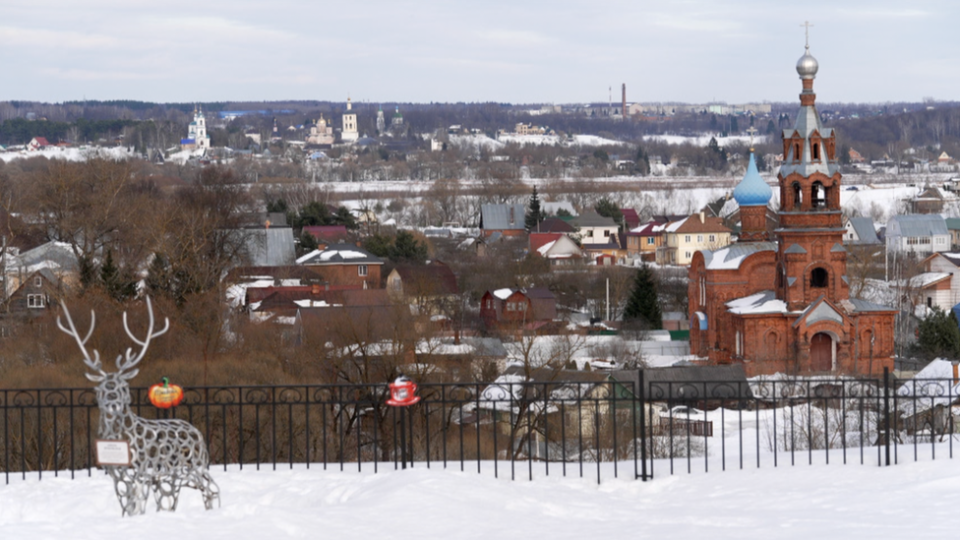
[819,195]
[815,148]
[797,195]
[796,152]
[819,278]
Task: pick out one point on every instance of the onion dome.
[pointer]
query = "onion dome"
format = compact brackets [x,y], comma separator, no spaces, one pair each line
[807,66]
[752,190]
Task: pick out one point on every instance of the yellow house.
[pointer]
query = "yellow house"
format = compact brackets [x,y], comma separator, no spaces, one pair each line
[685,237]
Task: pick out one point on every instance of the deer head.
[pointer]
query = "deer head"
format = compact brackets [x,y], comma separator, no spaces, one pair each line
[113,392]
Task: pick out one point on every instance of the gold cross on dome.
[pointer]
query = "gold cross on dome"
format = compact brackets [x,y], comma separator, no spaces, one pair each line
[752,131]
[806,31]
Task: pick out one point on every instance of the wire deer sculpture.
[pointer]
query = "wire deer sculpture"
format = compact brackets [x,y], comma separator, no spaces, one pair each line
[165,454]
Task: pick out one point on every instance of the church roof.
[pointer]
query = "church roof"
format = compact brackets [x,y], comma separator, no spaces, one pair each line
[731,257]
[752,190]
[761,302]
[863,305]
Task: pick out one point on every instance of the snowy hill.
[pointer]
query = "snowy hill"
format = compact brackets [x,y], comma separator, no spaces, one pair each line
[801,502]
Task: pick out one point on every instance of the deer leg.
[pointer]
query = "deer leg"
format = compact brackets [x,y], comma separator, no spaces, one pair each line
[166,491]
[209,488]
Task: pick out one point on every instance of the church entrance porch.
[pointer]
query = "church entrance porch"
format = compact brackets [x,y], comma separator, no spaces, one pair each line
[822,352]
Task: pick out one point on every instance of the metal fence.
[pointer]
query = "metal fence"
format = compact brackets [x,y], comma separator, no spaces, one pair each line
[518,429]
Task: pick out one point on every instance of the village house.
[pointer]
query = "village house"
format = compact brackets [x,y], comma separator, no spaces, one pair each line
[782,303]
[643,241]
[939,283]
[345,264]
[558,248]
[918,234]
[685,237]
[506,219]
[430,288]
[860,231]
[529,308]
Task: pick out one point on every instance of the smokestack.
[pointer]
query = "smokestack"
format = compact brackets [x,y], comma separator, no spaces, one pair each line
[623,106]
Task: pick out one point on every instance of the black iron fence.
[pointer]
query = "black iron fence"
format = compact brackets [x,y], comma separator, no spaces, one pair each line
[516,429]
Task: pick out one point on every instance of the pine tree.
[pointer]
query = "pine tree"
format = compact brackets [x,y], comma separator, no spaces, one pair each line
[643,306]
[535,214]
[115,283]
[939,335]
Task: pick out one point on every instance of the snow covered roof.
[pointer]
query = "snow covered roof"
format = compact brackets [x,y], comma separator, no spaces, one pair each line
[927,279]
[339,254]
[731,257]
[762,302]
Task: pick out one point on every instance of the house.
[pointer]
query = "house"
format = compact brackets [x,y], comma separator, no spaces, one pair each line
[860,231]
[644,240]
[682,239]
[596,230]
[631,220]
[918,234]
[345,264]
[930,201]
[57,257]
[557,248]
[555,225]
[506,219]
[939,284]
[37,143]
[518,307]
[327,234]
[431,288]
[37,293]
[953,225]
[270,246]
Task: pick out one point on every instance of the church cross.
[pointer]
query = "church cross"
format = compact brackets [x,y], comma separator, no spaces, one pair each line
[806,31]
[752,131]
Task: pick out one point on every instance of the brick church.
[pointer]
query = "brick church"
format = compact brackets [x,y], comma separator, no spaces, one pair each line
[779,301]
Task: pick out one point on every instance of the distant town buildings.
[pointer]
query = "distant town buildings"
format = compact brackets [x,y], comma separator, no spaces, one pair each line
[196,133]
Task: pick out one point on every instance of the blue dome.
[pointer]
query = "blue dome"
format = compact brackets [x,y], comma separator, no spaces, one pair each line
[752,190]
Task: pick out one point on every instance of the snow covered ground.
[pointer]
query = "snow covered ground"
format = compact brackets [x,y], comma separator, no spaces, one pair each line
[911,500]
[80,153]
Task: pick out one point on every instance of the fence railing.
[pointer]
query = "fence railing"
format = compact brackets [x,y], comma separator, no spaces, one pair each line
[515,429]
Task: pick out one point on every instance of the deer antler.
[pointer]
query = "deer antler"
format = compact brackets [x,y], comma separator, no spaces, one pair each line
[93,363]
[131,359]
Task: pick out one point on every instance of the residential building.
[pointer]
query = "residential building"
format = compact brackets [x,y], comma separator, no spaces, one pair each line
[860,231]
[431,288]
[644,240]
[953,225]
[558,248]
[506,219]
[939,284]
[345,264]
[682,239]
[527,307]
[919,234]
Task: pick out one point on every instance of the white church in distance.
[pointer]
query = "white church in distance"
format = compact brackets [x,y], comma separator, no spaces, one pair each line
[197,133]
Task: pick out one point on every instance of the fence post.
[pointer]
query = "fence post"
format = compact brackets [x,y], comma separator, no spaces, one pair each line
[641,395]
[886,414]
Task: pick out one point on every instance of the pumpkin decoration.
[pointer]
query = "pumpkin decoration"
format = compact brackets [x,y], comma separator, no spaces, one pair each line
[165,395]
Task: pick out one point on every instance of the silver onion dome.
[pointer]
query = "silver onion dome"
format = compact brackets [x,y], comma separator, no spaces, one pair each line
[807,66]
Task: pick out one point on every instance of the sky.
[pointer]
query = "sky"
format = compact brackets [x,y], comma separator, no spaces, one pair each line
[564,51]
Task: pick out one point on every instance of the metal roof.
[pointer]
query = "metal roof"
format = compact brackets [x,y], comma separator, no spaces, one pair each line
[593,219]
[270,247]
[916,225]
[503,217]
[866,232]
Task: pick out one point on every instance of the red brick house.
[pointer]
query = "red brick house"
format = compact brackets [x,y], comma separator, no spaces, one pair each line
[784,305]
[345,264]
[512,307]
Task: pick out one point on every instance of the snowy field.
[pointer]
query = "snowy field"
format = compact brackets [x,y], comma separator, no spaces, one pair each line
[912,500]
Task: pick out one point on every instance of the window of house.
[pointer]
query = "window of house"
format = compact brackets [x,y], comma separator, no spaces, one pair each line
[929,302]
[713,238]
[606,232]
[361,269]
[650,241]
[699,238]
[686,238]
[590,233]
[687,254]
[38,282]
[34,300]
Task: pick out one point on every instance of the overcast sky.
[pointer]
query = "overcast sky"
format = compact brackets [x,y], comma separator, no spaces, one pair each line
[563,51]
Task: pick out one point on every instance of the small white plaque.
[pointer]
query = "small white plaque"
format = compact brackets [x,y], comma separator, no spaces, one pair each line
[113,452]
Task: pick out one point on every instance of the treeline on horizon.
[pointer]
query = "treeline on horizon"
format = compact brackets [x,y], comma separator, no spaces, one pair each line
[875,131]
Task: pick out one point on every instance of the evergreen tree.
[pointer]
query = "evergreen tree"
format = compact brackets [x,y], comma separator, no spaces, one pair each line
[115,282]
[939,335]
[87,270]
[278,206]
[535,214]
[607,208]
[308,242]
[643,306]
[406,248]
[643,162]
[159,282]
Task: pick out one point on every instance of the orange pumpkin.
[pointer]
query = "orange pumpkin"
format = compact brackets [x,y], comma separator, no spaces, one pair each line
[165,395]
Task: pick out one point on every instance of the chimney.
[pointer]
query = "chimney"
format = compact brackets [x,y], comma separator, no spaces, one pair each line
[315,289]
[703,217]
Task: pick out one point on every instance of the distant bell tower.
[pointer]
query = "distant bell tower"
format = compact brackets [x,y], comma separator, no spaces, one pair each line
[811,260]
[349,133]
[381,123]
